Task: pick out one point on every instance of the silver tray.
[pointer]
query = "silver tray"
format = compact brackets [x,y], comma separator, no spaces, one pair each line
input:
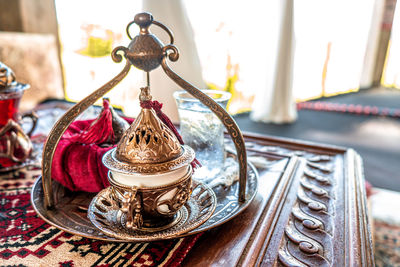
[71,208]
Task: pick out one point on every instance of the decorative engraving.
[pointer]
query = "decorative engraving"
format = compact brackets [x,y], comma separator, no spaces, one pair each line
[195,212]
[110,161]
[319,167]
[306,244]
[182,194]
[314,189]
[307,220]
[62,124]
[319,158]
[312,204]
[288,260]
[319,178]
[16,144]
[308,236]
[151,204]
[148,141]
[228,204]
[130,205]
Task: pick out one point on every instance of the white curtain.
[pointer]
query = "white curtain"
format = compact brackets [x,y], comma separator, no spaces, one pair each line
[275,102]
[246,47]
[372,44]
[172,13]
[391,77]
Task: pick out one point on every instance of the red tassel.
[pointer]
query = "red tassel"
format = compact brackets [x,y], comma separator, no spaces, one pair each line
[156,106]
[195,164]
[100,131]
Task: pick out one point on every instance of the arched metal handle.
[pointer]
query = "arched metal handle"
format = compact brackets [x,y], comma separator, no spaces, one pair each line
[220,112]
[34,118]
[144,20]
[63,123]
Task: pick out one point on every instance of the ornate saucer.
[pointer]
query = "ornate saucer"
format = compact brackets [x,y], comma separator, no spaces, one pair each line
[71,209]
[198,209]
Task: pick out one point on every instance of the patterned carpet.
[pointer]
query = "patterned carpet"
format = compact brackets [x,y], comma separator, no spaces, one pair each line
[384,207]
[387,244]
[26,240]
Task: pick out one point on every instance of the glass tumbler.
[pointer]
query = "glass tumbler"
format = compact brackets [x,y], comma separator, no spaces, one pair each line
[203,131]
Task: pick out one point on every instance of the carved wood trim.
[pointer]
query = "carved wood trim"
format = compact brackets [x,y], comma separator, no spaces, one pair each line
[309,231]
[260,237]
[310,211]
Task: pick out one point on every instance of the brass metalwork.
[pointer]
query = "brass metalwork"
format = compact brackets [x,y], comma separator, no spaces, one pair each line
[145,93]
[112,163]
[193,214]
[149,206]
[7,77]
[8,83]
[145,52]
[18,145]
[70,210]
[15,140]
[148,141]
[62,124]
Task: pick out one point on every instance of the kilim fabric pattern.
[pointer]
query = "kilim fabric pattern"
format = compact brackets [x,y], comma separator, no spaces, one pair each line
[26,240]
[387,244]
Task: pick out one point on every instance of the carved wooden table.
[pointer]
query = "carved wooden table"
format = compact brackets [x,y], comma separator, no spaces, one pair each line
[310,211]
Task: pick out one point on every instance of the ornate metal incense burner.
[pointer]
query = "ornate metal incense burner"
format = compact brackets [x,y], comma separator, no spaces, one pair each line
[15,144]
[160,204]
[145,52]
[146,148]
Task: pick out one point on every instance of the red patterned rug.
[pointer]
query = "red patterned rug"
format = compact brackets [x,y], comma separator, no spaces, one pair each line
[26,240]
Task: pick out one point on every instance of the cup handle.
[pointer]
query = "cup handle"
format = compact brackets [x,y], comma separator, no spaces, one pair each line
[34,117]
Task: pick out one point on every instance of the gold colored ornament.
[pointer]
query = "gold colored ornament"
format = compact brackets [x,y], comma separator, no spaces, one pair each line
[148,140]
[145,52]
[148,149]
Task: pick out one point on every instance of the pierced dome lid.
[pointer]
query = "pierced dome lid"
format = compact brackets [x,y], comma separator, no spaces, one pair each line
[148,146]
[148,140]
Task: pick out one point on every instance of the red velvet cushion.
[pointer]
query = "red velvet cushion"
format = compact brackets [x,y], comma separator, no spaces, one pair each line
[78,166]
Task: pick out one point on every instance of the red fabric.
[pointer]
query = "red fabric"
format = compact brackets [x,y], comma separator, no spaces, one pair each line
[77,162]
[27,240]
[100,131]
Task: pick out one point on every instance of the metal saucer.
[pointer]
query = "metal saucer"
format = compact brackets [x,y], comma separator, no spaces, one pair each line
[71,208]
[107,217]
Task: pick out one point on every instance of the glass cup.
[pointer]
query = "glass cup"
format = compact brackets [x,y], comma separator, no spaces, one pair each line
[15,144]
[203,131]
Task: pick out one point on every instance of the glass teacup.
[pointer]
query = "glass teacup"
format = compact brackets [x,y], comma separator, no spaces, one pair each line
[15,144]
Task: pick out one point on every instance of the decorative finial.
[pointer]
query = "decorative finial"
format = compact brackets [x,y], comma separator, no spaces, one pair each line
[7,77]
[145,94]
[8,83]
